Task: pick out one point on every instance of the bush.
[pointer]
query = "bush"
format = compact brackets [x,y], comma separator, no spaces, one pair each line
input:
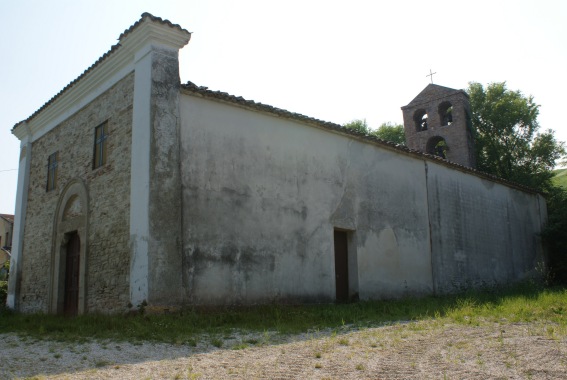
[4,272]
[555,233]
[3,292]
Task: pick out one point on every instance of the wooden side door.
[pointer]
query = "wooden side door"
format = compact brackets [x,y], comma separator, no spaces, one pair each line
[341,266]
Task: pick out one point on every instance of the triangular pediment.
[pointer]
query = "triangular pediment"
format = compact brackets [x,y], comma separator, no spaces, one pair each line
[432,92]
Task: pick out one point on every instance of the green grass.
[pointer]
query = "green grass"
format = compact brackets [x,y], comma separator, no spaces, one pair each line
[560,178]
[522,303]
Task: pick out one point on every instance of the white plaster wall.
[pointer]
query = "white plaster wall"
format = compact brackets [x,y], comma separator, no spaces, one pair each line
[140,179]
[483,233]
[19,223]
[262,195]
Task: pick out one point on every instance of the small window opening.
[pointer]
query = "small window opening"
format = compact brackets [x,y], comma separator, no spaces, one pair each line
[437,146]
[446,113]
[420,119]
[99,156]
[51,172]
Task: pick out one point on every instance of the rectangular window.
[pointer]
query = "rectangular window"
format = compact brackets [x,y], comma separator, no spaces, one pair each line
[101,134]
[52,171]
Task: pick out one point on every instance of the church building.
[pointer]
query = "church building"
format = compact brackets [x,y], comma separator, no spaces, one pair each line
[135,189]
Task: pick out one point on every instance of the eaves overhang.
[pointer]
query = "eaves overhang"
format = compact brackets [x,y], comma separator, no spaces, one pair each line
[104,73]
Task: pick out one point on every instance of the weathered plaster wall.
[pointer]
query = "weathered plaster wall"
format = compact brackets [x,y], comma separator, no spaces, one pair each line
[165,182]
[483,233]
[108,215]
[155,221]
[263,194]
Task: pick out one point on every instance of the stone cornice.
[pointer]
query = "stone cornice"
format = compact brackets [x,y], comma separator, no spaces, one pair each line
[154,33]
[103,74]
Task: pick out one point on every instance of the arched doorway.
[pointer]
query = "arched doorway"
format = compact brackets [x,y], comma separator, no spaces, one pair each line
[69,253]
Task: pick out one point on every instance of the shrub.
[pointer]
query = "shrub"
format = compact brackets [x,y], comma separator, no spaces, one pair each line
[554,235]
[3,293]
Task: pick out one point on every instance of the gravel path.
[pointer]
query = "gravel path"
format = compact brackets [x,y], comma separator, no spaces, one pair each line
[421,350]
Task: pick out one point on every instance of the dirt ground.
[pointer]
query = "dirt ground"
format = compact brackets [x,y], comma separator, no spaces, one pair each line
[416,350]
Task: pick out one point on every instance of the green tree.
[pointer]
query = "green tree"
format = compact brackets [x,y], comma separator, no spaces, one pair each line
[387,131]
[507,138]
[358,125]
[509,145]
[555,233]
[390,132]
[4,270]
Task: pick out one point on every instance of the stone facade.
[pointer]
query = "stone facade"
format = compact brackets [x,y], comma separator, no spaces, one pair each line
[441,114]
[108,254]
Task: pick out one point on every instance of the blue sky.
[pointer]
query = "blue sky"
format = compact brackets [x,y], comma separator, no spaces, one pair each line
[333,60]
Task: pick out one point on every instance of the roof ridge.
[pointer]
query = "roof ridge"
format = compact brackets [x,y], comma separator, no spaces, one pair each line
[224,96]
[152,18]
[7,217]
[112,50]
[432,87]
[71,84]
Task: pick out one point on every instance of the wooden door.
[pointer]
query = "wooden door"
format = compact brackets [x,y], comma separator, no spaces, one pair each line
[71,299]
[341,266]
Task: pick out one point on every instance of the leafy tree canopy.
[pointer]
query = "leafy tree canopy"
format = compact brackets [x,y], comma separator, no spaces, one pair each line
[358,125]
[387,131]
[509,144]
[391,132]
[507,137]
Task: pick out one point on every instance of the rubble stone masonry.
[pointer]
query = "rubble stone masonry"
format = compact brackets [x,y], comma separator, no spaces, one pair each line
[108,187]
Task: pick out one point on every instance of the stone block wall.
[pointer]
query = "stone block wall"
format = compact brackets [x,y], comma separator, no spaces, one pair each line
[108,187]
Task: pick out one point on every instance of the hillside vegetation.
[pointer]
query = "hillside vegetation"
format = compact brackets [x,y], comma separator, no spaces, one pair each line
[560,178]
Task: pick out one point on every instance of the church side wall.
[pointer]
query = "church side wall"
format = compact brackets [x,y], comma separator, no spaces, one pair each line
[482,233]
[262,196]
[108,187]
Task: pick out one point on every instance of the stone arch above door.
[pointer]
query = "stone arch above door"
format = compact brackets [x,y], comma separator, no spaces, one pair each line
[71,216]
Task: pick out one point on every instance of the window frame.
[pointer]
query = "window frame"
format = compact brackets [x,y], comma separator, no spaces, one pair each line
[100,148]
[52,164]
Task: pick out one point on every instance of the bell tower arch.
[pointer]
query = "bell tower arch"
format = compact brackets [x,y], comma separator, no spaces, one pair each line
[438,122]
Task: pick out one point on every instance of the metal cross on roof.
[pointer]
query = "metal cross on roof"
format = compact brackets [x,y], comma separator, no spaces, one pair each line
[431,75]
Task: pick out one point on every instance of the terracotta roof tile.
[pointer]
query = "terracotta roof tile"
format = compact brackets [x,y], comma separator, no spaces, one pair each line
[8,217]
[153,18]
[223,96]
[205,92]
[66,88]
[113,49]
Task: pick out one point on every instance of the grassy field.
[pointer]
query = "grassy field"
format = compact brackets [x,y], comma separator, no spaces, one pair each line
[523,303]
[560,178]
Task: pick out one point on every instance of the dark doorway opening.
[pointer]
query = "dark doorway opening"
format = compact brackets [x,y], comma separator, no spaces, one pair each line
[341,266]
[72,258]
